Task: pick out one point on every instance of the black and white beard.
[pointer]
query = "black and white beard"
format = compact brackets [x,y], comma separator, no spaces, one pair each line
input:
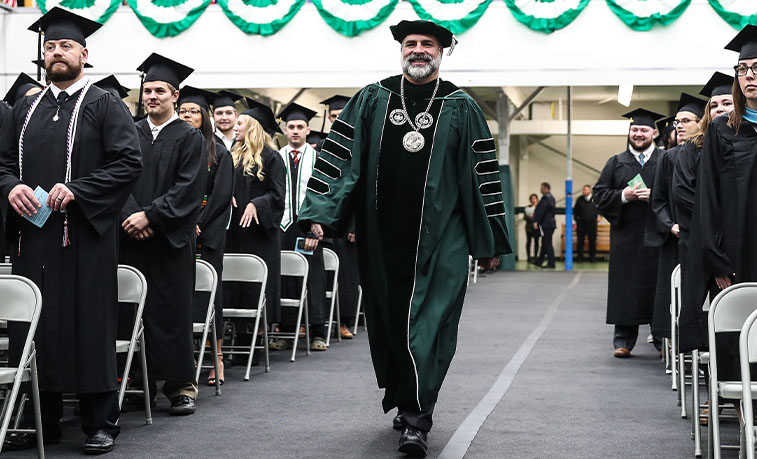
[417,73]
[70,72]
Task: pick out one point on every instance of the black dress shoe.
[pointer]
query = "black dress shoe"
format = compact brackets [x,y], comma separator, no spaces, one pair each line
[182,405]
[398,423]
[413,442]
[100,442]
[22,441]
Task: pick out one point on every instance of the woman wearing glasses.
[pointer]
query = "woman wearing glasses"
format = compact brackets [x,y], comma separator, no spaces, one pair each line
[194,108]
[724,227]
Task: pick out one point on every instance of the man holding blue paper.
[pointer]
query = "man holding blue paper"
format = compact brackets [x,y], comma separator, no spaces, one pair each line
[622,197]
[77,146]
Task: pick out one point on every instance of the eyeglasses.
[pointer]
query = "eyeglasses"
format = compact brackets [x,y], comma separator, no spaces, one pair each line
[677,123]
[742,69]
[192,111]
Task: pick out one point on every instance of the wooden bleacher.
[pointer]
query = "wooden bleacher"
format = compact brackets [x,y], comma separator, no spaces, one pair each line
[603,241]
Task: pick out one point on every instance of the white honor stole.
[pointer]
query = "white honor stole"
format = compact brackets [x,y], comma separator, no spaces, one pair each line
[308,156]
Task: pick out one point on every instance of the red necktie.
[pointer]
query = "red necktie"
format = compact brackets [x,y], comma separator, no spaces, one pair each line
[296,157]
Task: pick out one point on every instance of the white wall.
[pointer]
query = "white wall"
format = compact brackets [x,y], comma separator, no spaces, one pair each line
[596,49]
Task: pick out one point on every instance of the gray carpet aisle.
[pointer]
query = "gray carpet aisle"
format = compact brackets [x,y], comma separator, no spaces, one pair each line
[570,399]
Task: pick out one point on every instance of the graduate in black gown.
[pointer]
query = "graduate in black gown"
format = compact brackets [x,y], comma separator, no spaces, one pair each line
[624,201]
[299,159]
[727,191]
[194,108]
[259,183]
[72,257]
[159,224]
[692,322]
[663,230]
[225,116]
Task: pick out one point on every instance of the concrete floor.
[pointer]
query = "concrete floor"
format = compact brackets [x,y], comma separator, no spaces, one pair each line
[569,398]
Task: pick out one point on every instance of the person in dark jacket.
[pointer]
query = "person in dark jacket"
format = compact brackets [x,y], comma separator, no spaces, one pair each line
[544,222]
[585,214]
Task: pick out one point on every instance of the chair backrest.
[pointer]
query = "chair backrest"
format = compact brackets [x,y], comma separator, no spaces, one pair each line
[330,260]
[748,339]
[244,267]
[206,278]
[293,264]
[730,309]
[6,268]
[675,286]
[22,302]
[132,285]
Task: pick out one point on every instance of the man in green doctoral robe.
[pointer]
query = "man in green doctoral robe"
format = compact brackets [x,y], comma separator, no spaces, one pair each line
[413,158]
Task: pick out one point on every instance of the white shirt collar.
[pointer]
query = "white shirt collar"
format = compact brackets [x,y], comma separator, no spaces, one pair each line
[71,89]
[647,153]
[156,129]
[227,142]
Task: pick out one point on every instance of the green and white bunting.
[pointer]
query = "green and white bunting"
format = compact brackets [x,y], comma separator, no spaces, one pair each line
[546,15]
[643,14]
[261,17]
[738,13]
[96,10]
[167,18]
[456,15]
[353,17]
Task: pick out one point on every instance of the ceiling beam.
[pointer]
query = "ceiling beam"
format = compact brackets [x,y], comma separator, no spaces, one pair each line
[526,102]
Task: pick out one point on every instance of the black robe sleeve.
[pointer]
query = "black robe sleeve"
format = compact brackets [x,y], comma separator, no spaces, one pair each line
[686,165]
[660,220]
[711,166]
[98,193]
[169,213]
[606,195]
[219,201]
[270,206]
[9,152]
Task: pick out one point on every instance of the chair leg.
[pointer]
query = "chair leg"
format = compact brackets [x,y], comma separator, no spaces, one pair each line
[216,354]
[307,330]
[252,345]
[666,347]
[682,383]
[265,340]
[714,425]
[201,355]
[297,328]
[359,306]
[695,425]
[37,410]
[338,319]
[145,378]
[331,318]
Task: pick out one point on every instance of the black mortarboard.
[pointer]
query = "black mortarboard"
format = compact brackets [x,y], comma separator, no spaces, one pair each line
[664,124]
[405,28]
[225,99]
[316,137]
[262,114]
[745,42]
[643,117]
[336,102]
[60,24]
[159,68]
[296,112]
[22,84]
[719,84]
[198,96]
[41,64]
[111,84]
[691,104]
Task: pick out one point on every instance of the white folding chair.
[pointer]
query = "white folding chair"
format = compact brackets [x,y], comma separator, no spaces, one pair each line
[245,267]
[206,280]
[747,355]
[6,268]
[331,264]
[132,288]
[728,313]
[675,285]
[698,358]
[22,302]
[295,264]
[360,310]
[472,270]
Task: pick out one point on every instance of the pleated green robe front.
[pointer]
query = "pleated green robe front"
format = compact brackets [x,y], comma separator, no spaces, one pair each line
[417,218]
